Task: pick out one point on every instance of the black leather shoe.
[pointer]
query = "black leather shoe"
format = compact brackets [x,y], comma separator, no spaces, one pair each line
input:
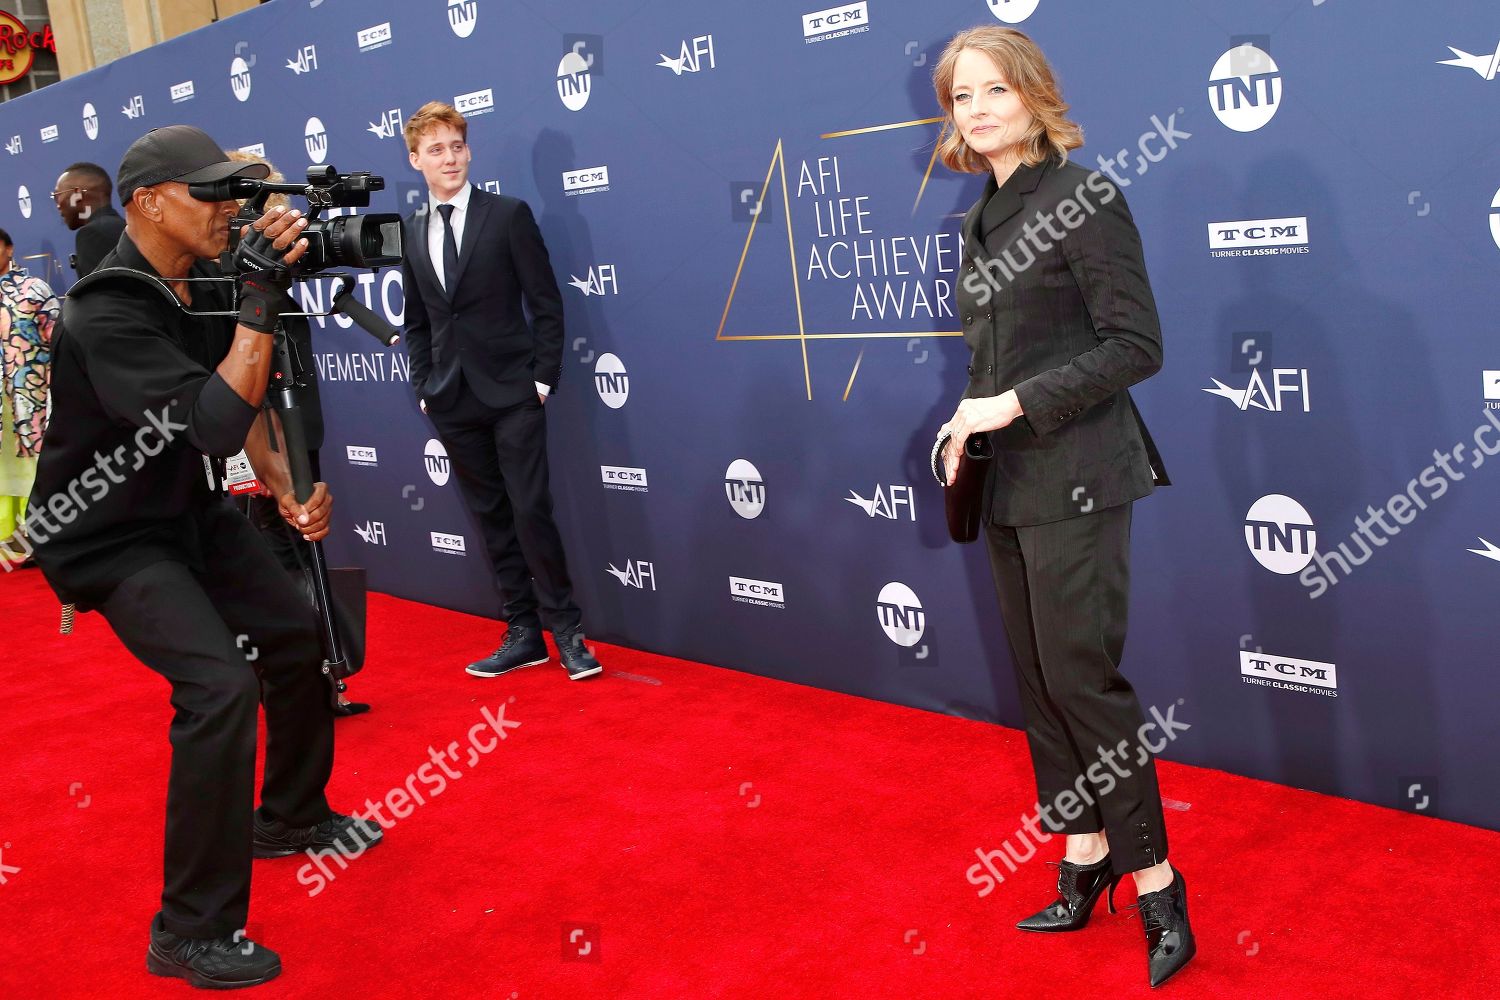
[575,655]
[346,707]
[523,647]
[1169,937]
[1078,889]
[226,963]
[349,835]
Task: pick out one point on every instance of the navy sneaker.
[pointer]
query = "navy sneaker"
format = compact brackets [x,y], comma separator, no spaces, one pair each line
[575,655]
[523,647]
[226,963]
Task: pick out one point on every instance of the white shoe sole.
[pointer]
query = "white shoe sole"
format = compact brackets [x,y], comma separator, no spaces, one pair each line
[585,674]
[485,673]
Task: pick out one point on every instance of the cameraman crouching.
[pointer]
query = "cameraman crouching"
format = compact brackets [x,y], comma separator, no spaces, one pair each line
[128,523]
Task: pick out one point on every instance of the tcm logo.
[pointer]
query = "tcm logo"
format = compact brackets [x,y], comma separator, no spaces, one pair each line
[14,147]
[373,532]
[638,574]
[1281,534]
[134,108]
[611,381]
[762,592]
[90,122]
[1288,673]
[1285,382]
[901,614]
[1248,239]
[23,201]
[448,544]
[836,22]
[182,91]
[389,126]
[745,488]
[315,138]
[463,15]
[1492,390]
[585,181]
[887,503]
[255,149]
[305,61]
[435,458]
[49,133]
[480,102]
[600,280]
[695,56]
[239,79]
[359,455]
[1244,88]
[619,478]
[1013,11]
[374,38]
[1485,66]
[573,80]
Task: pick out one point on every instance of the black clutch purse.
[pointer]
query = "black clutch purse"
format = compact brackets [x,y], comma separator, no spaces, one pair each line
[962,502]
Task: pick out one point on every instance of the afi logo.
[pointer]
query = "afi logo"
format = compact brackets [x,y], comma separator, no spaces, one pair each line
[23,201]
[389,126]
[462,16]
[239,74]
[901,614]
[1284,382]
[1281,534]
[435,457]
[695,56]
[1486,66]
[1244,88]
[90,122]
[886,504]
[316,140]
[600,280]
[636,574]
[573,80]
[305,61]
[136,108]
[14,147]
[745,488]
[373,532]
[611,381]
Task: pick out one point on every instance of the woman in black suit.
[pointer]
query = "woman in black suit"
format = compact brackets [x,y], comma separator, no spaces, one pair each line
[1059,315]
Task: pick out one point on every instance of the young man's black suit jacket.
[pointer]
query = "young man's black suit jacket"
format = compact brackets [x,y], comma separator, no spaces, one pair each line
[480,327]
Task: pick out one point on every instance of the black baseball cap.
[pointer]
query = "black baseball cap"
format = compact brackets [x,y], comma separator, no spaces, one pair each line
[177,153]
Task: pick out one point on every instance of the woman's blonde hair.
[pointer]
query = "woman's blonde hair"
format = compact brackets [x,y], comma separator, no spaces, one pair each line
[1026,70]
[277,199]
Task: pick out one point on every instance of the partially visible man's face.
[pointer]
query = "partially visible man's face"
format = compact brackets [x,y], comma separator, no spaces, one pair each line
[78,196]
[7,254]
[443,157]
[187,224]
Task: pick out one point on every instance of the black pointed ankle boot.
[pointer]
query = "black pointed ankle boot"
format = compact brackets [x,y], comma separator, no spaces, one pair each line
[1169,936]
[1078,889]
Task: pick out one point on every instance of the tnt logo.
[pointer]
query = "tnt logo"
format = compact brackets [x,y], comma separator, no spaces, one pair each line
[239,77]
[90,122]
[315,137]
[611,381]
[1013,11]
[637,574]
[1244,87]
[573,81]
[1285,382]
[1281,534]
[389,126]
[600,280]
[305,61]
[745,488]
[695,56]
[900,614]
[435,457]
[463,15]
[887,503]
[23,201]
[373,532]
[134,108]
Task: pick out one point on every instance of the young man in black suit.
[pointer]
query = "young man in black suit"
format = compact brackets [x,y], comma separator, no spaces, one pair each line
[84,200]
[482,374]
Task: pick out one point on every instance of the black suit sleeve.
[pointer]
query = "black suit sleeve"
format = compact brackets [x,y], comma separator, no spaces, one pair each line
[95,241]
[539,286]
[416,329]
[1107,262]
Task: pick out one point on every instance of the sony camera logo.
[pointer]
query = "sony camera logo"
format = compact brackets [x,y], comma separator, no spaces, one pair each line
[586,181]
[49,133]
[375,38]
[480,102]
[182,91]
[448,544]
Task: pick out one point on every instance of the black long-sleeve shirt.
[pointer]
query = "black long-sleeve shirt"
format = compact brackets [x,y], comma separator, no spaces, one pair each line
[121,482]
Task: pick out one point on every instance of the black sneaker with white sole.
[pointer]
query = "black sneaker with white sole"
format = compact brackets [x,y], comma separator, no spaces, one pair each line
[225,963]
[523,647]
[350,835]
[575,655]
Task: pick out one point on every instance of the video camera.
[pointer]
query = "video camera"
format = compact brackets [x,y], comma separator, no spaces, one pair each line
[343,241]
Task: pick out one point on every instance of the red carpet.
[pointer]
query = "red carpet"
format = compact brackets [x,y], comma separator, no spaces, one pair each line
[727,835]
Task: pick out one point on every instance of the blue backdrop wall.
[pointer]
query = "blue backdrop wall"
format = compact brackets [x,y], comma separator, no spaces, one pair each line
[758,255]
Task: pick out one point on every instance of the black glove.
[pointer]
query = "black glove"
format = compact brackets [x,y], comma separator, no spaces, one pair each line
[263,281]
